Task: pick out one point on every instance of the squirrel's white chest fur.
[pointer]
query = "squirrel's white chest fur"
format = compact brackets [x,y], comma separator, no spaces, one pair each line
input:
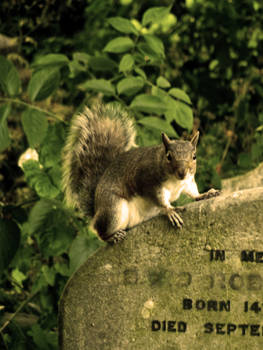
[141,209]
[173,188]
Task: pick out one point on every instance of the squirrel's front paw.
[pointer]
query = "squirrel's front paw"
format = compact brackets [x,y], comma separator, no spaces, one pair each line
[174,217]
[117,236]
[209,194]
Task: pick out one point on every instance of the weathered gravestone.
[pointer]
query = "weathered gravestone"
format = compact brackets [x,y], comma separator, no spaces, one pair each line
[163,288]
[251,179]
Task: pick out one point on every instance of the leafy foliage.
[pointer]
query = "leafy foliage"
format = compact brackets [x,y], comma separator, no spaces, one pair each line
[167,65]
[9,78]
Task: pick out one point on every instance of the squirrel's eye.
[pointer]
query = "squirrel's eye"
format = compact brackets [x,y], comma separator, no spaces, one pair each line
[194,157]
[168,155]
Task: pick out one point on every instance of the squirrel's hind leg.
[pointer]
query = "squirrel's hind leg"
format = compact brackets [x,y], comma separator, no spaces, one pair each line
[111,221]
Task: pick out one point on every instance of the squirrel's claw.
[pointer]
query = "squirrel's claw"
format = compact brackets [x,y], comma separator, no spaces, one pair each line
[175,218]
[117,236]
[209,194]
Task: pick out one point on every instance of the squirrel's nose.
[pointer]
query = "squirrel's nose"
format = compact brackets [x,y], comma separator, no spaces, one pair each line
[181,173]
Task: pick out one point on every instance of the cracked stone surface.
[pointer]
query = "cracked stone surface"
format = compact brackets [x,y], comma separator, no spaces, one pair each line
[165,288]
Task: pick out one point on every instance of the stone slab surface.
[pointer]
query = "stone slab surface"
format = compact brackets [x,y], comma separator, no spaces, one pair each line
[163,288]
[251,179]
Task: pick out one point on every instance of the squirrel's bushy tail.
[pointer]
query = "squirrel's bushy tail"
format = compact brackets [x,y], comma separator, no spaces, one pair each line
[96,137]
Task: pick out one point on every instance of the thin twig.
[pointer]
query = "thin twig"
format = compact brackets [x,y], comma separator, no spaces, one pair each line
[17,311]
[12,100]
[226,150]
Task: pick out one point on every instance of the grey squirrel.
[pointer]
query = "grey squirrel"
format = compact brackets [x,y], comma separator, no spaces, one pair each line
[119,184]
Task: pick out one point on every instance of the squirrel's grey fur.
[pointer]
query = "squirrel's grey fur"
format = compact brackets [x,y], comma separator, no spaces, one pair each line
[95,139]
[106,177]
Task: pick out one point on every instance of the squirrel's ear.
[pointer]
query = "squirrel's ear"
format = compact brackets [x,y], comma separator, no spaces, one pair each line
[166,140]
[195,139]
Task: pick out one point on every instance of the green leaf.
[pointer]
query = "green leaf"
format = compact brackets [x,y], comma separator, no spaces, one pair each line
[159,124]
[140,72]
[79,64]
[244,160]
[99,85]
[55,175]
[162,82]
[102,64]
[82,58]
[119,45]
[149,56]
[126,63]
[44,188]
[49,274]
[43,83]
[181,113]
[4,133]
[148,104]
[44,339]
[9,242]
[123,25]
[4,137]
[50,151]
[9,78]
[82,247]
[155,44]
[130,86]
[52,227]
[189,3]
[39,180]
[176,109]
[19,277]
[213,64]
[254,38]
[180,95]
[259,128]
[39,213]
[155,15]
[74,69]
[35,126]
[51,60]
[62,269]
